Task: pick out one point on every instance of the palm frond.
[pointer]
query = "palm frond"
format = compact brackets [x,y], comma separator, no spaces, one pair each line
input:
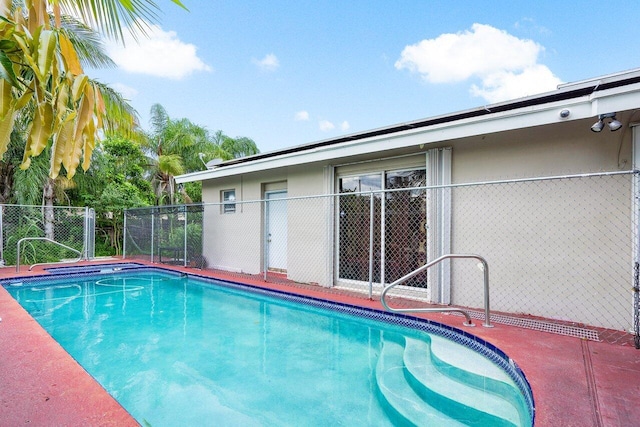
[110,16]
[170,164]
[121,118]
[87,43]
[159,119]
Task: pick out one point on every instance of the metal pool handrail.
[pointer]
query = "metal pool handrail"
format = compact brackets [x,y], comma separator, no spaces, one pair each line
[43,263]
[485,268]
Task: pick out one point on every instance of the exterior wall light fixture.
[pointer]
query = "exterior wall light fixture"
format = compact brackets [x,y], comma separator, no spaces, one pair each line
[613,123]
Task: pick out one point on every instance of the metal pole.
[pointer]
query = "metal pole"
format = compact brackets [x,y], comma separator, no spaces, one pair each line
[636,305]
[371,246]
[636,275]
[1,236]
[18,256]
[153,215]
[124,236]
[85,249]
[185,237]
[265,244]
[487,312]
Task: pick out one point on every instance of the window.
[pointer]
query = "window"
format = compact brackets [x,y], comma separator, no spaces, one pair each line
[228,199]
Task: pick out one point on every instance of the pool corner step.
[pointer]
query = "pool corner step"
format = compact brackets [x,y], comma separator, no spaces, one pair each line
[398,397]
[455,389]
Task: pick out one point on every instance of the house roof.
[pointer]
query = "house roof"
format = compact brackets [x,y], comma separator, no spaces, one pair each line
[588,98]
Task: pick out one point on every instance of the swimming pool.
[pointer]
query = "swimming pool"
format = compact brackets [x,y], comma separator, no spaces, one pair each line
[182,350]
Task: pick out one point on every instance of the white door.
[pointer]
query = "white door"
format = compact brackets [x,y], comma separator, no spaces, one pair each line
[276,231]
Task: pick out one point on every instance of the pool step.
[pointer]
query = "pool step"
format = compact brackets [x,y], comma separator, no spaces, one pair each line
[398,397]
[457,389]
[421,384]
[470,367]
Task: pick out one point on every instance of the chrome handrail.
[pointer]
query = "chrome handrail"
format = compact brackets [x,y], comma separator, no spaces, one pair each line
[485,268]
[44,263]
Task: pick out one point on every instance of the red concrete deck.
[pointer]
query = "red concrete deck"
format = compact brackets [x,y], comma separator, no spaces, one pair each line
[575,382]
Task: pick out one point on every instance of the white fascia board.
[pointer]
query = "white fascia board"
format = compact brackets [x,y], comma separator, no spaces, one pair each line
[612,100]
[616,100]
[628,74]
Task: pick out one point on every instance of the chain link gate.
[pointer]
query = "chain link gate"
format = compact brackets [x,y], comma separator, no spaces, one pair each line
[165,234]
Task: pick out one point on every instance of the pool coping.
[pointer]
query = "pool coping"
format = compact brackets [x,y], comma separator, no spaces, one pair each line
[574,382]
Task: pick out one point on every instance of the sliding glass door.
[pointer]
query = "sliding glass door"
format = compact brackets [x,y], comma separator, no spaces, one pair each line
[399,225]
[405,231]
[355,221]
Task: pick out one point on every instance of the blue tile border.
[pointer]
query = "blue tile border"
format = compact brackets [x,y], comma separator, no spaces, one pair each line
[457,335]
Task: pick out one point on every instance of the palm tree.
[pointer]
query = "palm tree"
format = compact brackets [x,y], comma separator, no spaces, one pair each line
[41,75]
[238,147]
[173,147]
[37,180]
[228,148]
[167,167]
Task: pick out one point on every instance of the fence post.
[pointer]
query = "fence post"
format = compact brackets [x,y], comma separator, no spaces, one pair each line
[85,245]
[89,233]
[371,211]
[185,236]
[265,245]
[1,236]
[636,272]
[153,216]
[124,234]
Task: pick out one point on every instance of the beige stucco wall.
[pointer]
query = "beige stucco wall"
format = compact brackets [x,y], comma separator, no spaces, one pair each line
[565,148]
[309,251]
[234,242]
[560,249]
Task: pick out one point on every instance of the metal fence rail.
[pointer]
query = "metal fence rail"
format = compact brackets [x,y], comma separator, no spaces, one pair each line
[560,248]
[72,227]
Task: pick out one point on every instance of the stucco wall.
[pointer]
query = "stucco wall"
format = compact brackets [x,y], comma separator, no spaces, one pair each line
[233,241]
[310,219]
[562,248]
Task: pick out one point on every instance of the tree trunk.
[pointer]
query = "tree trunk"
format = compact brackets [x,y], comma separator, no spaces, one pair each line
[48,196]
[6,184]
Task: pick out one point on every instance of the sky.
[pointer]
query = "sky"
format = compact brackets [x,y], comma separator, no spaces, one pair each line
[286,73]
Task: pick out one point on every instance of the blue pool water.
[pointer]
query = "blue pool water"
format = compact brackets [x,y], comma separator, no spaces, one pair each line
[179,350]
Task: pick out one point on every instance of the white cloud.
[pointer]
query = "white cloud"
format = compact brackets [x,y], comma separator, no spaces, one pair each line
[127,92]
[268,63]
[506,85]
[529,25]
[506,65]
[345,126]
[326,125]
[160,54]
[301,116]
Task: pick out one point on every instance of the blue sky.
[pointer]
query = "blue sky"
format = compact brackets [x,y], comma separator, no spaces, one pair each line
[286,73]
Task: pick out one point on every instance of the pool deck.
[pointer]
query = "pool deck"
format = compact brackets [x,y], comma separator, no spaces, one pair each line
[575,382]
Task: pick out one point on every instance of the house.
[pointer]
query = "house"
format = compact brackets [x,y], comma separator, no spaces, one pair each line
[543,187]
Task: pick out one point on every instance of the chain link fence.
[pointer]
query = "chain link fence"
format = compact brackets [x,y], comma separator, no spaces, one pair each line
[47,234]
[165,234]
[561,249]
